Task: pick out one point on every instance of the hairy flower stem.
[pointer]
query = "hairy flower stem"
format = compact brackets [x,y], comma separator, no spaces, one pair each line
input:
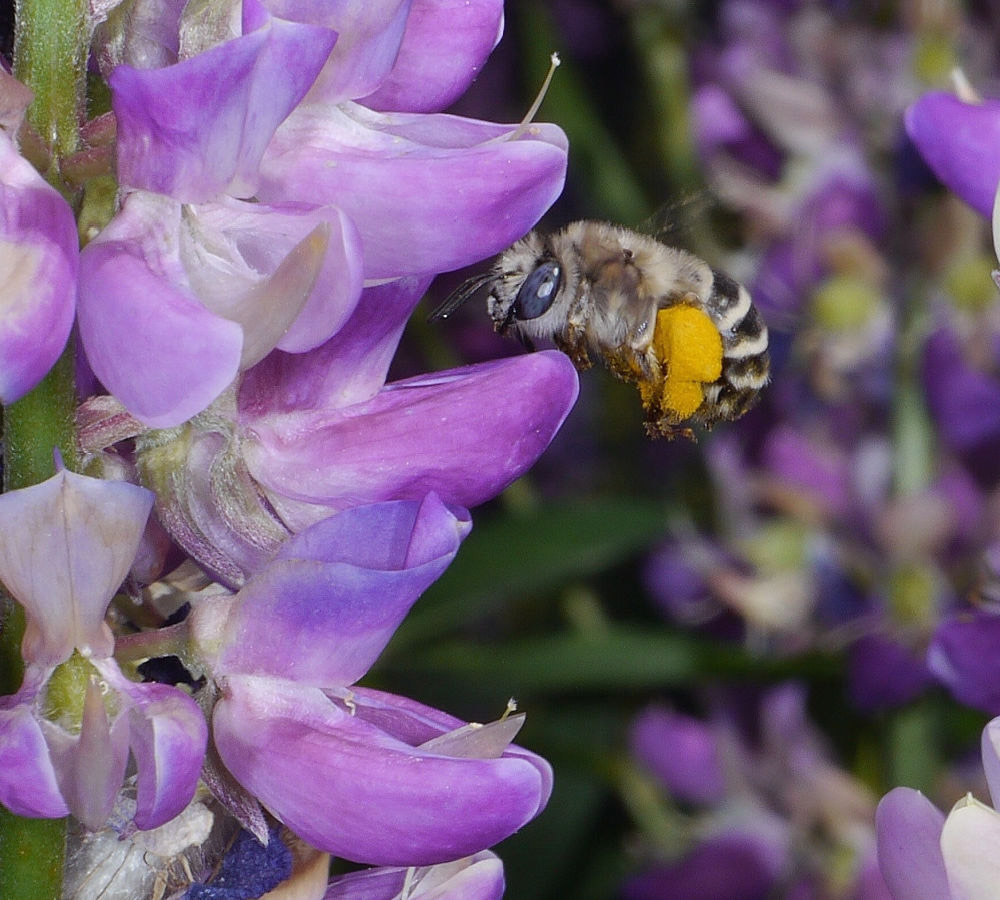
[50,53]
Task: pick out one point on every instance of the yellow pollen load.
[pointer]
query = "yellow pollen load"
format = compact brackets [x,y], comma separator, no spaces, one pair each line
[689,348]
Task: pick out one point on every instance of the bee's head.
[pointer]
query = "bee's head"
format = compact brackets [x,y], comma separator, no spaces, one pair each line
[529,278]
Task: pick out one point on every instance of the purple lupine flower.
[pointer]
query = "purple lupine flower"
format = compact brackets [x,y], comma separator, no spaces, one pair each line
[965,656]
[925,855]
[40,252]
[362,774]
[343,190]
[477,877]
[757,800]
[318,432]
[959,140]
[66,734]
[682,752]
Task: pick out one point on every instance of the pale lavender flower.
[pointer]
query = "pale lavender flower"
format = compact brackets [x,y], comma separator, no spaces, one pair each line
[362,774]
[66,734]
[925,855]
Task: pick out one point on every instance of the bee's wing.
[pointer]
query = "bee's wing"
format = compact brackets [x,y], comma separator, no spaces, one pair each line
[461,295]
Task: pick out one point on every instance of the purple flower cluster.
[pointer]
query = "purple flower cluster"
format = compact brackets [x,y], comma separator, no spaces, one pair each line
[287,188]
[765,811]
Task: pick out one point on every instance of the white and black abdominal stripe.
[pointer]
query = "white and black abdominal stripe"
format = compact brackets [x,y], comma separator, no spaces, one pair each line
[745,361]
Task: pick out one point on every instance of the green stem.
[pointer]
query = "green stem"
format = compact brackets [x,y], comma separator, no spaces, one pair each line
[51,42]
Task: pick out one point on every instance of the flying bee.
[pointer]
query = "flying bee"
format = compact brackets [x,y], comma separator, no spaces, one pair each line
[688,336]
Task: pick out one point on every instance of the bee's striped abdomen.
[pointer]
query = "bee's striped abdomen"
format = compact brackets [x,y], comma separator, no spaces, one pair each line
[745,361]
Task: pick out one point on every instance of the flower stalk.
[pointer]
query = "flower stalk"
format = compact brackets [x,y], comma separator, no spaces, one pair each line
[50,52]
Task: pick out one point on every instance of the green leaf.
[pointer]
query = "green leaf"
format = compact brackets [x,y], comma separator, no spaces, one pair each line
[531,553]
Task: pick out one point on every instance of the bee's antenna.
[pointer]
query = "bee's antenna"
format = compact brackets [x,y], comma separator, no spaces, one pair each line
[461,295]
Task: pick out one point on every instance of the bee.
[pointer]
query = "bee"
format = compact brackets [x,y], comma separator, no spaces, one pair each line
[659,317]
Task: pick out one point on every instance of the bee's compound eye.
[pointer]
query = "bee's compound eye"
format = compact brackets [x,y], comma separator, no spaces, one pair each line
[538,291]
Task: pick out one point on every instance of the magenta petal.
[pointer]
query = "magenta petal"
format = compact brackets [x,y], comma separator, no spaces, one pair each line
[909,846]
[960,142]
[197,129]
[464,434]
[324,609]
[990,743]
[428,193]
[152,345]
[444,47]
[965,656]
[68,545]
[345,786]
[167,735]
[28,783]
[39,256]
[348,368]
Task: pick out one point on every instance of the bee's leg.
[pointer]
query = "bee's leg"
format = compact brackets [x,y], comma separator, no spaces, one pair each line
[574,345]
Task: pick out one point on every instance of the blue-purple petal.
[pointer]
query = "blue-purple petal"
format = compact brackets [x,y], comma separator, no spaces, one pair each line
[322,611]
[682,752]
[909,846]
[965,656]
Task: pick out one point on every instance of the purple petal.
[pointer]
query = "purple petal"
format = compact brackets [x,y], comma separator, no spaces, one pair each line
[40,258]
[734,865]
[347,787]
[428,193]
[167,735]
[464,434]
[369,42]
[198,129]
[964,402]
[909,849]
[28,783]
[322,611]
[965,655]
[445,46]
[349,368]
[682,752]
[68,545]
[147,337]
[959,142]
[883,673]
[478,877]
[991,758]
